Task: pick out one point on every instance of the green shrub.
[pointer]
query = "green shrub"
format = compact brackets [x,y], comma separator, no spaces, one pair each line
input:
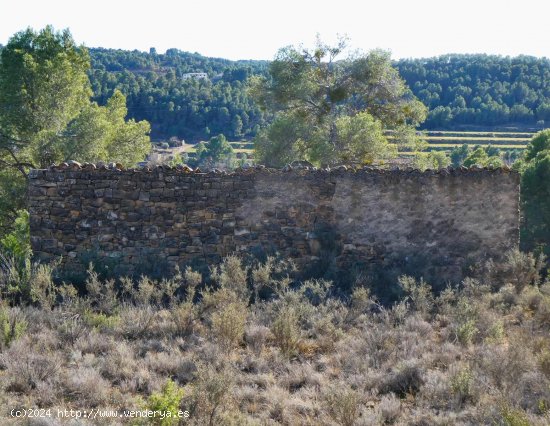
[461,384]
[167,401]
[514,417]
[100,320]
[466,332]
[496,332]
[12,325]
[17,243]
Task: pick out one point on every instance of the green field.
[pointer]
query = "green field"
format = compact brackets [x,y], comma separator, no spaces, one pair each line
[447,140]
[437,141]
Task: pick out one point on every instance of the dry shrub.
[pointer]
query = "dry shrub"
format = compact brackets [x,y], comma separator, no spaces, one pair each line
[95,343]
[420,294]
[504,365]
[183,317]
[28,364]
[228,325]
[256,336]
[141,381]
[167,364]
[299,377]
[118,364]
[86,386]
[379,343]
[343,404]
[389,409]
[102,295]
[436,391]
[211,392]
[406,379]
[286,331]
[136,322]
[232,275]
[532,392]
[518,269]
[360,304]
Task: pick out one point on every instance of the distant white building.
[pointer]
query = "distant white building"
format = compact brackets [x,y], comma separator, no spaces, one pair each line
[197,75]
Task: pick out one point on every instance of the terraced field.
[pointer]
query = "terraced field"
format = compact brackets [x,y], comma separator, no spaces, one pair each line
[437,141]
[447,140]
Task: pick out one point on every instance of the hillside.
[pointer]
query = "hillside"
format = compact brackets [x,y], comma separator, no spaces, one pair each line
[463,92]
[190,108]
[483,91]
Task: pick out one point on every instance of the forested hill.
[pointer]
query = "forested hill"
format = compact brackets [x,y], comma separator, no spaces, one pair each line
[460,90]
[160,90]
[481,90]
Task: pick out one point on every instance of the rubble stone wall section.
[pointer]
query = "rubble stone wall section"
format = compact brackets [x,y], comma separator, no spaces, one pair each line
[443,221]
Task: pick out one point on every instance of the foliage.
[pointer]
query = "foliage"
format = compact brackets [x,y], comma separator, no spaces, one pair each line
[25,282]
[17,243]
[334,111]
[189,108]
[46,114]
[167,401]
[217,152]
[480,157]
[535,193]
[385,364]
[431,160]
[12,325]
[228,325]
[480,90]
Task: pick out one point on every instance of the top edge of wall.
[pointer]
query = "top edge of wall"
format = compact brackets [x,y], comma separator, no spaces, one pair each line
[76,166]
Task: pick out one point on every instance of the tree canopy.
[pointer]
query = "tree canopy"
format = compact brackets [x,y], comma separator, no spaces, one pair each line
[159,90]
[46,114]
[480,90]
[331,110]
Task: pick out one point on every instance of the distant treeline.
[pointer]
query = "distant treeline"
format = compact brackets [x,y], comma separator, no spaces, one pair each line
[460,90]
[191,108]
[481,90]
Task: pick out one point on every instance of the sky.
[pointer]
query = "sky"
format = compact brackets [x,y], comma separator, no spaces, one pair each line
[247,29]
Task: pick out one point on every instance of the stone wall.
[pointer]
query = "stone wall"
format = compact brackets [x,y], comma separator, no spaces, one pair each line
[433,223]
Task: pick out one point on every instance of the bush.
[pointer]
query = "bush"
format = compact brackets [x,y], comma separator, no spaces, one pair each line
[211,392]
[419,293]
[343,404]
[166,401]
[407,379]
[461,384]
[228,325]
[12,325]
[286,331]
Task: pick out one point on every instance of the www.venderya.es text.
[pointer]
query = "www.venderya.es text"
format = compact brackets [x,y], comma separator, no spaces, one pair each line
[96,413]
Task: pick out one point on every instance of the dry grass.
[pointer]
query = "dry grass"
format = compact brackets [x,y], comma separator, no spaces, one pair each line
[477,354]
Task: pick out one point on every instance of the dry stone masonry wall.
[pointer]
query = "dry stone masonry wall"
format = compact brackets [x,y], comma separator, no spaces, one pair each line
[437,223]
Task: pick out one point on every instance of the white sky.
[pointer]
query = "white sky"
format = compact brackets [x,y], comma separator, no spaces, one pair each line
[248,29]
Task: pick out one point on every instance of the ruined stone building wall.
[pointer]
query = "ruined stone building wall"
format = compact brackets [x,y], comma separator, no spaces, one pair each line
[438,221]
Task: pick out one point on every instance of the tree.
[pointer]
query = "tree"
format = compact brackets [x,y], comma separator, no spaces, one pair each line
[216,152]
[46,115]
[431,160]
[43,86]
[540,142]
[480,157]
[535,193]
[313,92]
[459,154]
